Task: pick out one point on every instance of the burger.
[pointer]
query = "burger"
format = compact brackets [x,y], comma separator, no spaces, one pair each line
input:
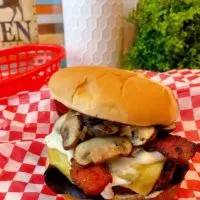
[113,138]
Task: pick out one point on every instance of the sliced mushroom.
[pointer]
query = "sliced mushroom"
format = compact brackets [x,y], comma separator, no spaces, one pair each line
[97,150]
[90,121]
[104,129]
[126,131]
[70,130]
[83,133]
[142,135]
[98,127]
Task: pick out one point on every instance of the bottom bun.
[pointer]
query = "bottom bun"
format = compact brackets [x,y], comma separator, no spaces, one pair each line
[68,197]
[168,194]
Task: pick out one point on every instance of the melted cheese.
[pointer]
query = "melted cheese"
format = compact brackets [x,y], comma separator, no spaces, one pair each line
[121,166]
[153,195]
[148,175]
[59,161]
[108,192]
[54,141]
[144,157]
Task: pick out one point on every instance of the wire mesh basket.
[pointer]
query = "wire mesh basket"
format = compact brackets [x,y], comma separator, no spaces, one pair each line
[28,67]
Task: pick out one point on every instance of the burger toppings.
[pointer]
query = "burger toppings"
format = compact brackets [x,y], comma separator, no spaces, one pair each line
[126,131]
[140,171]
[98,150]
[173,147]
[70,130]
[106,154]
[98,127]
[172,174]
[180,172]
[60,184]
[105,129]
[145,157]
[91,179]
[77,126]
[146,179]
[122,167]
[166,175]
[108,192]
[58,160]
[55,140]
[142,134]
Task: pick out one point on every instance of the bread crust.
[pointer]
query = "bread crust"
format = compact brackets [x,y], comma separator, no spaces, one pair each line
[168,194]
[114,94]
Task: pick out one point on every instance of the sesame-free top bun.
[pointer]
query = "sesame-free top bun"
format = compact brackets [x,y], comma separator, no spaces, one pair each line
[114,94]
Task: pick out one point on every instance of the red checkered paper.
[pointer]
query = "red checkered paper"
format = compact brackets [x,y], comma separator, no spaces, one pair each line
[26,118]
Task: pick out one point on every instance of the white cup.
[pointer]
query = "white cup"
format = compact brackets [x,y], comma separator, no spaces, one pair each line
[93,31]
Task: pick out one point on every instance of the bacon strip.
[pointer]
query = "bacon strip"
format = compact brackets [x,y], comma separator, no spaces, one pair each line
[173,147]
[198,147]
[172,174]
[166,175]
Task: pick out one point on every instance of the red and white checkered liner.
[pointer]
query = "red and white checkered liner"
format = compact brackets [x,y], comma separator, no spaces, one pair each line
[26,118]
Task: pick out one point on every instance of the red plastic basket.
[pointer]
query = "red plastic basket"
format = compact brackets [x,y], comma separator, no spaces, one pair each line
[28,67]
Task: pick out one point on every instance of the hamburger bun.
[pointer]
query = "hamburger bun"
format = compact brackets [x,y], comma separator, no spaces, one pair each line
[114,94]
[168,194]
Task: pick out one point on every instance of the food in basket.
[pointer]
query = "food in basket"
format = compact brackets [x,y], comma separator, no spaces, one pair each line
[114,142]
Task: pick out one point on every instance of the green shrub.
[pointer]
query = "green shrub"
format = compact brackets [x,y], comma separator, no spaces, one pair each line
[168,35]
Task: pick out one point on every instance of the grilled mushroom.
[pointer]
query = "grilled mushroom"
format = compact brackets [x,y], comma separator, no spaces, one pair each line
[70,130]
[141,135]
[97,150]
[98,127]
[104,129]
[126,131]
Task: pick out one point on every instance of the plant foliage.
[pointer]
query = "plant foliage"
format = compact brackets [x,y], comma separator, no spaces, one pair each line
[168,35]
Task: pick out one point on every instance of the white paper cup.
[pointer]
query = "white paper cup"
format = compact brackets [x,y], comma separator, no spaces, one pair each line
[93,31]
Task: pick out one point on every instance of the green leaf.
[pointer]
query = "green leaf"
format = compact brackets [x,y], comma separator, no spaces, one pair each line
[168,35]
